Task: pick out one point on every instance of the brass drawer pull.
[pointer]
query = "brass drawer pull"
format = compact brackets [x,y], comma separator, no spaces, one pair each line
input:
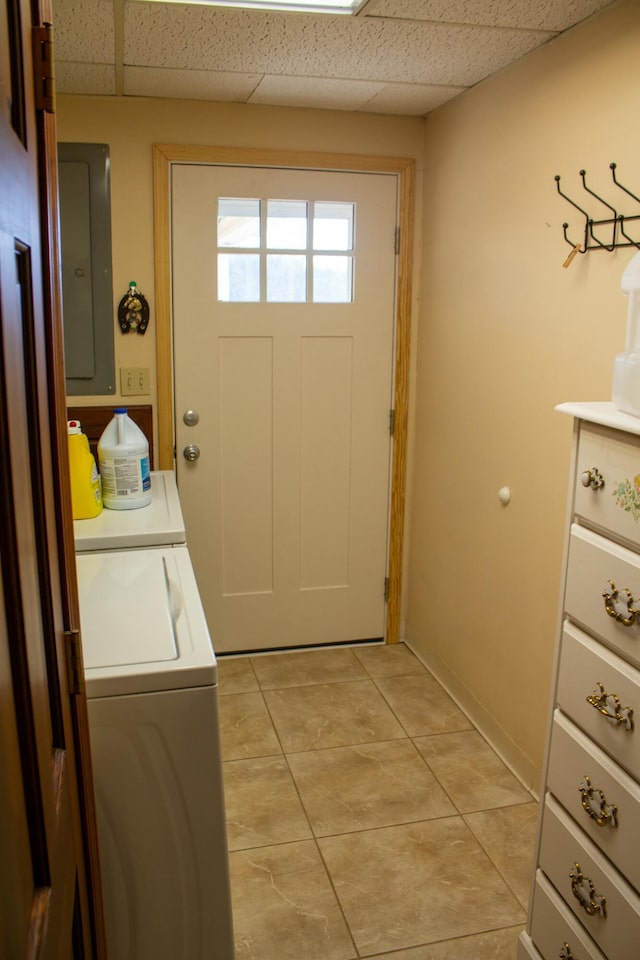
[592,478]
[565,953]
[604,813]
[609,706]
[584,892]
[612,597]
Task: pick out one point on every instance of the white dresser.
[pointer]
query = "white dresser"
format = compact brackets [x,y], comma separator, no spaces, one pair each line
[585,902]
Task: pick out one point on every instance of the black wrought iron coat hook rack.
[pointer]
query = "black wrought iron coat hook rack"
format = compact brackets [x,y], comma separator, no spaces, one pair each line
[606,233]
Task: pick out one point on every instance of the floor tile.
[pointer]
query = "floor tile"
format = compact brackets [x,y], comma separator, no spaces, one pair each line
[284,907]
[421,705]
[508,837]
[414,879]
[389,660]
[304,667]
[263,806]
[418,883]
[473,775]
[498,945]
[370,785]
[331,715]
[235,675]
[245,727]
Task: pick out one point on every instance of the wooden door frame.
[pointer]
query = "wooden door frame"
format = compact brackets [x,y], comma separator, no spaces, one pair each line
[91,893]
[164,156]
[55,906]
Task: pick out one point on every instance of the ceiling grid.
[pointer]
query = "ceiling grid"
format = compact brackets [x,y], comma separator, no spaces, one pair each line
[404,57]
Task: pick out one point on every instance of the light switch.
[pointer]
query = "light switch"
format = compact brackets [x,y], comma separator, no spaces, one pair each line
[134,381]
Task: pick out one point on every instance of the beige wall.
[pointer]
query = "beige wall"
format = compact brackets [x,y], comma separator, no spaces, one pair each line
[504,334]
[130,126]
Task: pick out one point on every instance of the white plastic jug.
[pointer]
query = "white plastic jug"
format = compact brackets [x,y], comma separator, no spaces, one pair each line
[123,453]
[626,367]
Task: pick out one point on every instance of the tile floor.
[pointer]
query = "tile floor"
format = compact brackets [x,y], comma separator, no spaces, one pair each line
[366,815]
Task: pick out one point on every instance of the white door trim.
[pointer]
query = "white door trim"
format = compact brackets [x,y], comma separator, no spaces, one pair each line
[164,156]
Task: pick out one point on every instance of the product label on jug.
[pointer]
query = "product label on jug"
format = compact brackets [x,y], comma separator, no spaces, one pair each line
[125,476]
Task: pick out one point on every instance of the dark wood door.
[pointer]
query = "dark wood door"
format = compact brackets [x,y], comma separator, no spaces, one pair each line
[50,902]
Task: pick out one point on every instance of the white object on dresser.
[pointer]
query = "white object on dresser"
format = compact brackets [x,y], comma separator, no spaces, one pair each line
[626,367]
[585,901]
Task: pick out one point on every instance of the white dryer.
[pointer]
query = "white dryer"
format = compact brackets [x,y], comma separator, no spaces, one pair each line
[159,523]
[151,680]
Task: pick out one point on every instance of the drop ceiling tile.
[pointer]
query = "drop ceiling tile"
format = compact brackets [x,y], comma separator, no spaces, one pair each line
[551,15]
[189,84]
[314,92]
[304,45]
[84,31]
[408,99]
[400,56]
[92,79]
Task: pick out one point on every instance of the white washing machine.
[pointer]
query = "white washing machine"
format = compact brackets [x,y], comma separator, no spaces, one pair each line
[151,680]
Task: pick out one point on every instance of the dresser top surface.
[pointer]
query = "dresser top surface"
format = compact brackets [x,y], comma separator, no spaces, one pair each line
[603,413]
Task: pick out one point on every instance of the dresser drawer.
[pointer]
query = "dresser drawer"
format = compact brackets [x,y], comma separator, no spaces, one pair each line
[608,806]
[612,459]
[585,663]
[574,866]
[553,925]
[594,564]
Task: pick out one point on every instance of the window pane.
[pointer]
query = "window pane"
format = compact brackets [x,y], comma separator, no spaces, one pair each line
[332,279]
[286,225]
[238,223]
[286,278]
[333,226]
[239,277]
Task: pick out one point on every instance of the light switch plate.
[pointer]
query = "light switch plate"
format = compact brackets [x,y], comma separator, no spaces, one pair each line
[135,381]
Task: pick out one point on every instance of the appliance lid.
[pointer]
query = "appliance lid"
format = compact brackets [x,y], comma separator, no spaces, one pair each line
[143,626]
[160,522]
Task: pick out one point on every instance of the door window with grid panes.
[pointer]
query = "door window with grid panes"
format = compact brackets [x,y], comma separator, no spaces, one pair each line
[285,251]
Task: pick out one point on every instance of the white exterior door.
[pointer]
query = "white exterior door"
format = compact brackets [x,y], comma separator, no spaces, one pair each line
[283,305]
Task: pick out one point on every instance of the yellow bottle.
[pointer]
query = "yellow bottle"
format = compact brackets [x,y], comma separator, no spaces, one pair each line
[86,490]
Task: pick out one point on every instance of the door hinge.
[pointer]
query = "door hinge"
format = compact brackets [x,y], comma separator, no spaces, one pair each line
[386,589]
[43,75]
[75,661]
[392,421]
[397,240]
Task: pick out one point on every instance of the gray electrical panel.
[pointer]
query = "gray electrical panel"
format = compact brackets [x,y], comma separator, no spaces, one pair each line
[87,289]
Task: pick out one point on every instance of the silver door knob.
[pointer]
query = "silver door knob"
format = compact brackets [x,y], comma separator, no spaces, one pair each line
[191,417]
[191,452]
